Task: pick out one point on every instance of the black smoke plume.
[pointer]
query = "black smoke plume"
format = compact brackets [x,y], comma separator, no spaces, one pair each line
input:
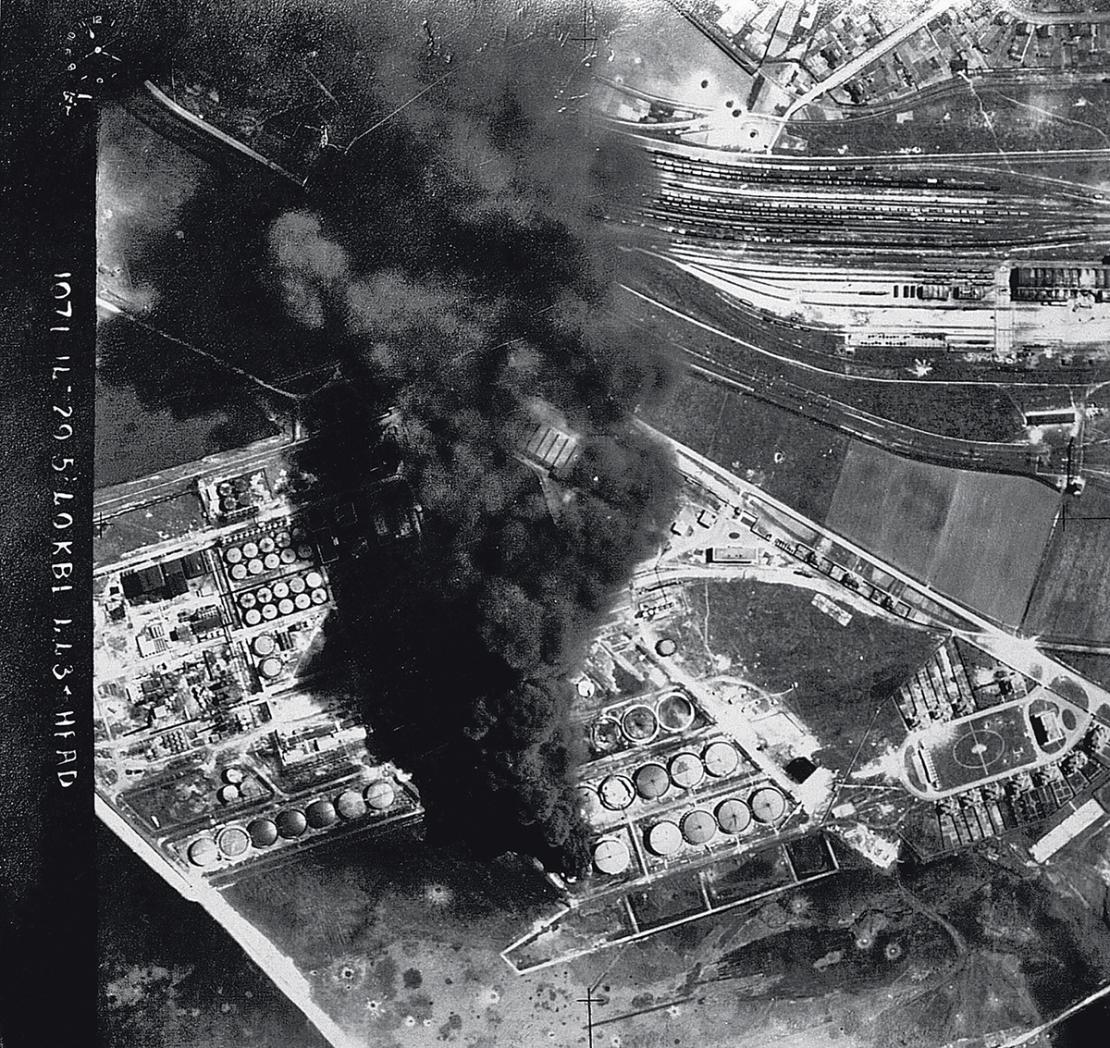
[453,261]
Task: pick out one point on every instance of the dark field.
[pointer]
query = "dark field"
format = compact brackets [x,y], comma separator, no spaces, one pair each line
[977,537]
[790,457]
[1071,600]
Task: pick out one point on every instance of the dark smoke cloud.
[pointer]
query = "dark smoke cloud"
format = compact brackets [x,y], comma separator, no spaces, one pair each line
[454,263]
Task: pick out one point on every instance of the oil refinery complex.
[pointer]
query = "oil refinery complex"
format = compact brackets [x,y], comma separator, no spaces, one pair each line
[217,744]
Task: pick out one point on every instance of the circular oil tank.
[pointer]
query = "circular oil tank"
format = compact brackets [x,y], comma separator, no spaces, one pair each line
[304,551]
[266,545]
[296,584]
[676,712]
[320,596]
[288,556]
[651,781]
[768,804]
[698,827]
[234,775]
[253,617]
[254,566]
[224,488]
[264,594]
[639,724]
[238,572]
[321,814]
[313,579]
[720,759]
[269,611]
[303,600]
[664,838]
[350,804]
[233,555]
[250,550]
[605,734]
[270,667]
[616,792]
[666,647]
[611,856]
[733,815]
[203,852]
[589,804]
[281,590]
[298,533]
[263,832]
[585,687]
[241,484]
[228,794]
[247,600]
[233,842]
[282,539]
[380,795]
[291,823]
[686,770]
[228,503]
[285,606]
[271,561]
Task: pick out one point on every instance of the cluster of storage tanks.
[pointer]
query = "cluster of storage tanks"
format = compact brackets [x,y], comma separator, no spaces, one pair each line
[274,548]
[641,723]
[284,597]
[694,828]
[234,842]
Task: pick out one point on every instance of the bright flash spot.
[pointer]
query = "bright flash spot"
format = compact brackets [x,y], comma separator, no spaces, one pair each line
[674,1011]
[438,894]
[410,1020]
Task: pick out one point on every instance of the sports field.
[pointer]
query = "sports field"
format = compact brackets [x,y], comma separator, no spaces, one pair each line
[967,751]
[976,537]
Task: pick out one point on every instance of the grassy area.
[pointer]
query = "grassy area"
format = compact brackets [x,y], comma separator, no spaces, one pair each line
[838,678]
[977,537]
[790,457]
[1022,117]
[1071,599]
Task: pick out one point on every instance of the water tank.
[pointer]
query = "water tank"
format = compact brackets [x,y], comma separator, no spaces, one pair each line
[203,852]
[605,734]
[589,804]
[639,724]
[686,770]
[616,792]
[676,712]
[721,759]
[263,832]
[350,804]
[291,823]
[228,794]
[651,781]
[321,814]
[733,816]
[379,795]
[698,826]
[611,856]
[233,842]
[768,804]
[664,838]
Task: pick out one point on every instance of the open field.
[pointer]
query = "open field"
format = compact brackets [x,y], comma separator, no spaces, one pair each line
[837,679]
[977,537]
[790,457]
[1071,600]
